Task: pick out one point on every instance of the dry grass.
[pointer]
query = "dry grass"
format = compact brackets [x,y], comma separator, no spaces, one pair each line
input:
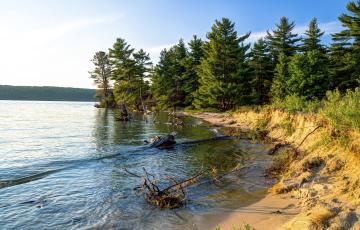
[320,217]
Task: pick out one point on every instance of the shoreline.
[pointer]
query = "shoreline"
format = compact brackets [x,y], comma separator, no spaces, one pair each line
[270,212]
[317,183]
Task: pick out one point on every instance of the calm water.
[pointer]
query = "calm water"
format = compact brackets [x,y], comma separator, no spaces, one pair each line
[61,167]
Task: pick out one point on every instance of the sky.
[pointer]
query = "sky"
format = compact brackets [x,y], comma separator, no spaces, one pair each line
[51,42]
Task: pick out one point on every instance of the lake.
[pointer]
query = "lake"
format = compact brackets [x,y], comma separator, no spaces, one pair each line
[62,167]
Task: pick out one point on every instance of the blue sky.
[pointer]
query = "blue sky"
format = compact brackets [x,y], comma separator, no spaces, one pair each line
[51,42]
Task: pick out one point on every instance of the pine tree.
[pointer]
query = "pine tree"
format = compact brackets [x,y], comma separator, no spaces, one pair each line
[167,77]
[142,63]
[352,25]
[308,75]
[161,79]
[191,64]
[308,71]
[123,73]
[223,71]
[278,87]
[282,40]
[101,76]
[345,50]
[312,41]
[261,72]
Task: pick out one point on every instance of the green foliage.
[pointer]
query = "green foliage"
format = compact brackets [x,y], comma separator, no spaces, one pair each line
[345,51]
[313,38]
[101,76]
[191,63]
[278,87]
[282,40]
[223,72]
[293,103]
[308,75]
[129,69]
[261,72]
[342,111]
[167,77]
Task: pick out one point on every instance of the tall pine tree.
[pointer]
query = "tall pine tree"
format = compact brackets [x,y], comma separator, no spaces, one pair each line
[282,40]
[281,74]
[123,73]
[191,63]
[312,41]
[143,64]
[308,71]
[223,71]
[102,76]
[261,72]
[345,50]
[168,77]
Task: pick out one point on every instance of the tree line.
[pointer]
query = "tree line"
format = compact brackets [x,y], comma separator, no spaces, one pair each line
[45,93]
[225,71]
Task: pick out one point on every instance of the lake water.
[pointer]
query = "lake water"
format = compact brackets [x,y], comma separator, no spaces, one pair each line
[62,167]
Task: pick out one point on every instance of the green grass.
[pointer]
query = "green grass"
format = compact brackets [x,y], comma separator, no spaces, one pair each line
[343,111]
[295,103]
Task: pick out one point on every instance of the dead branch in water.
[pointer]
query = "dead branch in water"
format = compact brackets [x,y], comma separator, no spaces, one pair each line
[174,195]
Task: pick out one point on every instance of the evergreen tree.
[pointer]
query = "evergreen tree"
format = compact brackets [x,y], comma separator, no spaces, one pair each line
[278,87]
[261,72]
[124,73]
[345,51]
[167,77]
[223,71]
[351,23]
[308,71]
[191,64]
[308,75]
[282,40]
[101,76]
[161,79]
[312,41]
[142,63]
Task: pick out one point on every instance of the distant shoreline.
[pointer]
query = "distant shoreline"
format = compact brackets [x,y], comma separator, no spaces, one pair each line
[46,93]
[45,100]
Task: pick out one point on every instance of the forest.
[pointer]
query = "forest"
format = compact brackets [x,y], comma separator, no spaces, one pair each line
[225,71]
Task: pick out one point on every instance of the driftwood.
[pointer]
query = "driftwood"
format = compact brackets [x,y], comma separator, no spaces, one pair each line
[169,140]
[174,195]
[171,197]
[162,141]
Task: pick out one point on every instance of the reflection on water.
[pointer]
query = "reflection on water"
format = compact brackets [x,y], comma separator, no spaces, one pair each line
[62,167]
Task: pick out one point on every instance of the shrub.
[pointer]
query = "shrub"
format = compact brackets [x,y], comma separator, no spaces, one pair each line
[343,111]
[294,103]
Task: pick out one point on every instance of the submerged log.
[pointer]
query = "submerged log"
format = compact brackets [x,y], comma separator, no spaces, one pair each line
[162,141]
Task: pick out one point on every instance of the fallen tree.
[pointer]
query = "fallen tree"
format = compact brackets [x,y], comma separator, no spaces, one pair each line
[174,196]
